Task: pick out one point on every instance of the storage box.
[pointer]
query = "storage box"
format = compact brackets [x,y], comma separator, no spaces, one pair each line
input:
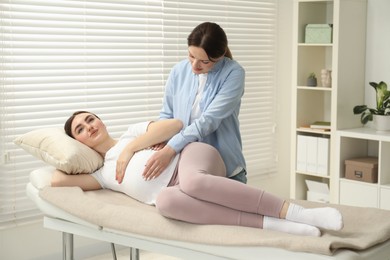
[362,169]
[318,33]
[317,197]
[317,191]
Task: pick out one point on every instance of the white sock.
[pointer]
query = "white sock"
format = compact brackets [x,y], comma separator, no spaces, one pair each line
[327,218]
[286,226]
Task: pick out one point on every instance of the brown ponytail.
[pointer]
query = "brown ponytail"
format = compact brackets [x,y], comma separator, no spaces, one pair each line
[212,38]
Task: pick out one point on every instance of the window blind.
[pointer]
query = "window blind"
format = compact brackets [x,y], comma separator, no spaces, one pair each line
[251,29]
[112,58]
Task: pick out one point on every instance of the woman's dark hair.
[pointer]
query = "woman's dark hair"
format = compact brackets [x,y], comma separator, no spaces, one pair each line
[212,38]
[68,123]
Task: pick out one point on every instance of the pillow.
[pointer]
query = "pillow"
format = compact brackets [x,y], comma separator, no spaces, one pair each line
[55,147]
[41,177]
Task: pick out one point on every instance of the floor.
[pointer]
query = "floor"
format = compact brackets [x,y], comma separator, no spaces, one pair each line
[124,254]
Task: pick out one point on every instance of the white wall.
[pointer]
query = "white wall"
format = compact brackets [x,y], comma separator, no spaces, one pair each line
[378,46]
[33,242]
[280,182]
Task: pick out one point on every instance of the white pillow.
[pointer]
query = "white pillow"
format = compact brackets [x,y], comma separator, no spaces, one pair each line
[55,147]
[41,177]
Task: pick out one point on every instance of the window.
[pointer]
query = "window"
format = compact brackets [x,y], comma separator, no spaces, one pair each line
[112,58]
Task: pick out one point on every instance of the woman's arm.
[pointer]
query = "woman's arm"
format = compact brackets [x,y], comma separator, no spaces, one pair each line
[157,132]
[85,181]
[221,100]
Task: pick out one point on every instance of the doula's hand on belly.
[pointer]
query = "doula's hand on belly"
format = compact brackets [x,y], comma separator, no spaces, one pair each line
[158,162]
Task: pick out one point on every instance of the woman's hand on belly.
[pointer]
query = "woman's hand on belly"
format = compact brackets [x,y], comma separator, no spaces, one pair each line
[121,164]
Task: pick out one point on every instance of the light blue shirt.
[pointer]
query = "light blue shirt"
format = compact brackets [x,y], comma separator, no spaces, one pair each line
[218,124]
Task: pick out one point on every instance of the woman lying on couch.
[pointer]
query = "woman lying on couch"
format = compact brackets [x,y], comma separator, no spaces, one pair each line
[192,188]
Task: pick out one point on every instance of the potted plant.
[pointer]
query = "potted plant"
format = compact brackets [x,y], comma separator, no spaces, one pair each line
[382,105]
[312,80]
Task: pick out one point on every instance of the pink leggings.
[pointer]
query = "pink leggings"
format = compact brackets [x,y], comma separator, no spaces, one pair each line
[203,194]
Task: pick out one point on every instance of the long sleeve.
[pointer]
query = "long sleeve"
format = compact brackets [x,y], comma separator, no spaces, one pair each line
[218,124]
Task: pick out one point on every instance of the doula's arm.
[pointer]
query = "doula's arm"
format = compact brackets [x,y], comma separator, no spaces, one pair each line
[157,132]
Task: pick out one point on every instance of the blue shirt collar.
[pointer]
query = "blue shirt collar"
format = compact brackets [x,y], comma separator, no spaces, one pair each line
[219,64]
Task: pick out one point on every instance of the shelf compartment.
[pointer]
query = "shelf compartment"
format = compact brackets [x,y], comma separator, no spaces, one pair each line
[355,193]
[312,106]
[301,187]
[313,12]
[354,148]
[313,58]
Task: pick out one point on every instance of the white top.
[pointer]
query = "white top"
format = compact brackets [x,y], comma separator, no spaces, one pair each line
[133,183]
[196,112]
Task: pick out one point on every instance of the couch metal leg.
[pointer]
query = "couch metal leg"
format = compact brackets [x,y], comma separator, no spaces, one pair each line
[67,246]
[113,251]
[134,253]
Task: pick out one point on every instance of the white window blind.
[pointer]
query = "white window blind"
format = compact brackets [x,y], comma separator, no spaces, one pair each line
[251,30]
[112,58]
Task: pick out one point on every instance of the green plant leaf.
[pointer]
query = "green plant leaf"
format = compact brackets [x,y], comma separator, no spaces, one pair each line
[359,109]
[381,95]
[382,103]
[366,117]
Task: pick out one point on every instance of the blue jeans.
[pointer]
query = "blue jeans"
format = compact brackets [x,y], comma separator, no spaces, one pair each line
[241,176]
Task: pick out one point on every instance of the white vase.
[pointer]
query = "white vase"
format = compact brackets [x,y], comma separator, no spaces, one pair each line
[381,123]
[326,78]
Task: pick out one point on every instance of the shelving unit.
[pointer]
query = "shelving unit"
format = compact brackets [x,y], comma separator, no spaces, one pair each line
[362,142]
[345,56]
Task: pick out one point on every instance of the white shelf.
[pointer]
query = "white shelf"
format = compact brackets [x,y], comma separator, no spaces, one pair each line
[334,104]
[368,184]
[362,142]
[313,131]
[313,175]
[315,44]
[366,133]
[314,88]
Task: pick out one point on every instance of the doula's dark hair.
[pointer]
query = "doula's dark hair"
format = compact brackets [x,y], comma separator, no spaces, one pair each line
[211,38]
[68,123]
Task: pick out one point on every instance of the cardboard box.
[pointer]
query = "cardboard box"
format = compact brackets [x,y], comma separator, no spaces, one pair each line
[318,33]
[317,191]
[362,169]
[317,197]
